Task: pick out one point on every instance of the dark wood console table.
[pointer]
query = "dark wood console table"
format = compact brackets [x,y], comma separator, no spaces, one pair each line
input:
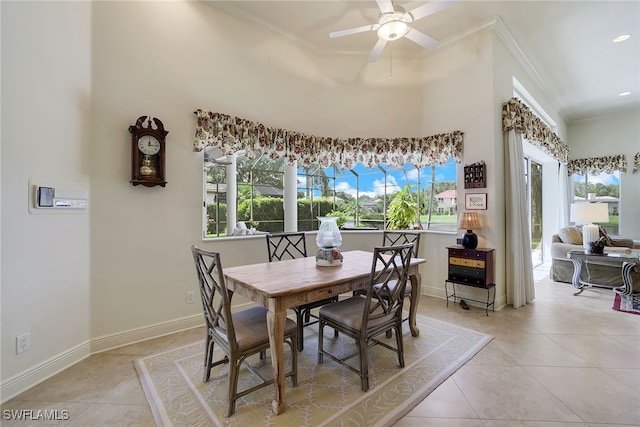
[471,267]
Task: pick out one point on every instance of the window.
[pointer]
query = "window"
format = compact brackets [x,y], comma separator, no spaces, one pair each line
[360,195]
[603,188]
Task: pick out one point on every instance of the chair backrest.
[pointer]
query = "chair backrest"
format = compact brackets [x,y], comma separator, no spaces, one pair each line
[395,238]
[389,271]
[216,298]
[286,246]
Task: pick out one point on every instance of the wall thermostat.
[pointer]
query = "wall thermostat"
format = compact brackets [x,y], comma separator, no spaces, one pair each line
[44,197]
[51,199]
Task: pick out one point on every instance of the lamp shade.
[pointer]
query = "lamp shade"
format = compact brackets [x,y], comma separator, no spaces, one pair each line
[469,221]
[588,213]
[585,213]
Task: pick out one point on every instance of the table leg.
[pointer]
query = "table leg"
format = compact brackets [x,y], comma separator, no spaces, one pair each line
[275,323]
[626,289]
[577,271]
[416,282]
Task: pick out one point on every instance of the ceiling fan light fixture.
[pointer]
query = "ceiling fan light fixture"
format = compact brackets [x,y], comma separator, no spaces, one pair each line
[393,30]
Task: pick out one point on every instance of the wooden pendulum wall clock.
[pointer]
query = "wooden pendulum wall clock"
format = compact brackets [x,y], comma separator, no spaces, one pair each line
[148,152]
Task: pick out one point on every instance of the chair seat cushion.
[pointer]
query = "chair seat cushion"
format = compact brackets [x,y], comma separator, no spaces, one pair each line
[349,313]
[251,326]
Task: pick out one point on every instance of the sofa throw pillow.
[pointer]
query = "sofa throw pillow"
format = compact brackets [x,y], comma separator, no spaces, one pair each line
[603,233]
[570,235]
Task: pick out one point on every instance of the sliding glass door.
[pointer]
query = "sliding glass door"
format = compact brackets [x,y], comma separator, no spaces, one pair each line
[533,179]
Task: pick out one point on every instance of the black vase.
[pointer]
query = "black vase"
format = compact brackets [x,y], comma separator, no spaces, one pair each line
[469,240]
[596,249]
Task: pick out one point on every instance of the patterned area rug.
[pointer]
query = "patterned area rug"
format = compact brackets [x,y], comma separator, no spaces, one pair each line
[627,305]
[327,394]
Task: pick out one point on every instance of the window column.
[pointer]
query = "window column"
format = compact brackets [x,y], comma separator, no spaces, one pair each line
[232,193]
[291,197]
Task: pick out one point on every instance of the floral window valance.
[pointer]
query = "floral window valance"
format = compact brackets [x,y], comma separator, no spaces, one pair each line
[597,165]
[232,134]
[636,163]
[516,115]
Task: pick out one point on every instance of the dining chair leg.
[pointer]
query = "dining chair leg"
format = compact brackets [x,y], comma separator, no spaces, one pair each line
[234,368]
[364,365]
[399,343]
[208,358]
[320,341]
[300,328]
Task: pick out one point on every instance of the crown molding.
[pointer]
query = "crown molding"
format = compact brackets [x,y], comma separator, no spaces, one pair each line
[505,36]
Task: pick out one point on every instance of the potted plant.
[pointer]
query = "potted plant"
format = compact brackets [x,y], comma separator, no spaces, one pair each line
[342,217]
[403,210]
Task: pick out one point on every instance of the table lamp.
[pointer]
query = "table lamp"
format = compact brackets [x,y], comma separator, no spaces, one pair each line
[468,221]
[587,214]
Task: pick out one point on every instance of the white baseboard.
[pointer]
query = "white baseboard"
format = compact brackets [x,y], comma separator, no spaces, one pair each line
[25,380]
[132,336]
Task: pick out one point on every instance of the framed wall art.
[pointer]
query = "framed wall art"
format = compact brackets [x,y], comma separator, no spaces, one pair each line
[475,201]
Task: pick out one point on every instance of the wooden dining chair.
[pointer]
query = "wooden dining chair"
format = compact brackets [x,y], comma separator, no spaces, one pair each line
[401,237]
[394,238]
[291,245]
[239,334]
[364,317]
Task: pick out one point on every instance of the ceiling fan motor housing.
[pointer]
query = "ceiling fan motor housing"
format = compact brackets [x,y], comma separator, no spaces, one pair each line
[393,25]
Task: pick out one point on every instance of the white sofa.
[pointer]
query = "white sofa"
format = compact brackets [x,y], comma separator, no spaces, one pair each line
[599,271]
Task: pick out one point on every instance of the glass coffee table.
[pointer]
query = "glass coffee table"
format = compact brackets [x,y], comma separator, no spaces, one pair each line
[626,262]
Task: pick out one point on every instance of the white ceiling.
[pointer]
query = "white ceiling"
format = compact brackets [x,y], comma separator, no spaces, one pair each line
[568,43]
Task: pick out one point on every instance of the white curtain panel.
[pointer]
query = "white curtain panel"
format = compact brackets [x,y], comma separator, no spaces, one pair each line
[565,196]
[519,269]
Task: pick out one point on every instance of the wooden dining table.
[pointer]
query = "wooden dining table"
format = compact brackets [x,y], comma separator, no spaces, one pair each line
[289,283]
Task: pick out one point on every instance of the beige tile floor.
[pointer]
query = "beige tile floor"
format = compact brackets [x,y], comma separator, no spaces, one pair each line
[562,361]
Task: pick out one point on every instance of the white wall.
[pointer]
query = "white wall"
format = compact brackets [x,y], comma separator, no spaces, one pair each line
[459,94]
[46,94]
[608,136]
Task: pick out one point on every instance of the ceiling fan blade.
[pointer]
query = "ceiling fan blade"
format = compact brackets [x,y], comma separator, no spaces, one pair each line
[350,31]
[377,50]
[385,6]
[431,8]
[422,39]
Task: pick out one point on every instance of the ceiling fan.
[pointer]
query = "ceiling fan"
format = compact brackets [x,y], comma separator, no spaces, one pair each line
[394,24]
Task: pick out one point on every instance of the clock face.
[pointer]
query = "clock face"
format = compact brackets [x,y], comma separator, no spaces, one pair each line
[148,145]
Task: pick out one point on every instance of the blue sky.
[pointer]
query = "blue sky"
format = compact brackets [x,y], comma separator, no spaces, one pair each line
[371,181]
[603,178]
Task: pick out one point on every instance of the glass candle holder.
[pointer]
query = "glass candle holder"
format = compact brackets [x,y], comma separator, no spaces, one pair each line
[328,241]
[328,233]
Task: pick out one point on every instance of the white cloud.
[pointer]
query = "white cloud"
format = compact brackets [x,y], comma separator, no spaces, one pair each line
[605,178]
[376,188]
[412,175]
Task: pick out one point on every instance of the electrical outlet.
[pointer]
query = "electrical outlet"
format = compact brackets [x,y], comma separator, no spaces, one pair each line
[23,342]
[190,297]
